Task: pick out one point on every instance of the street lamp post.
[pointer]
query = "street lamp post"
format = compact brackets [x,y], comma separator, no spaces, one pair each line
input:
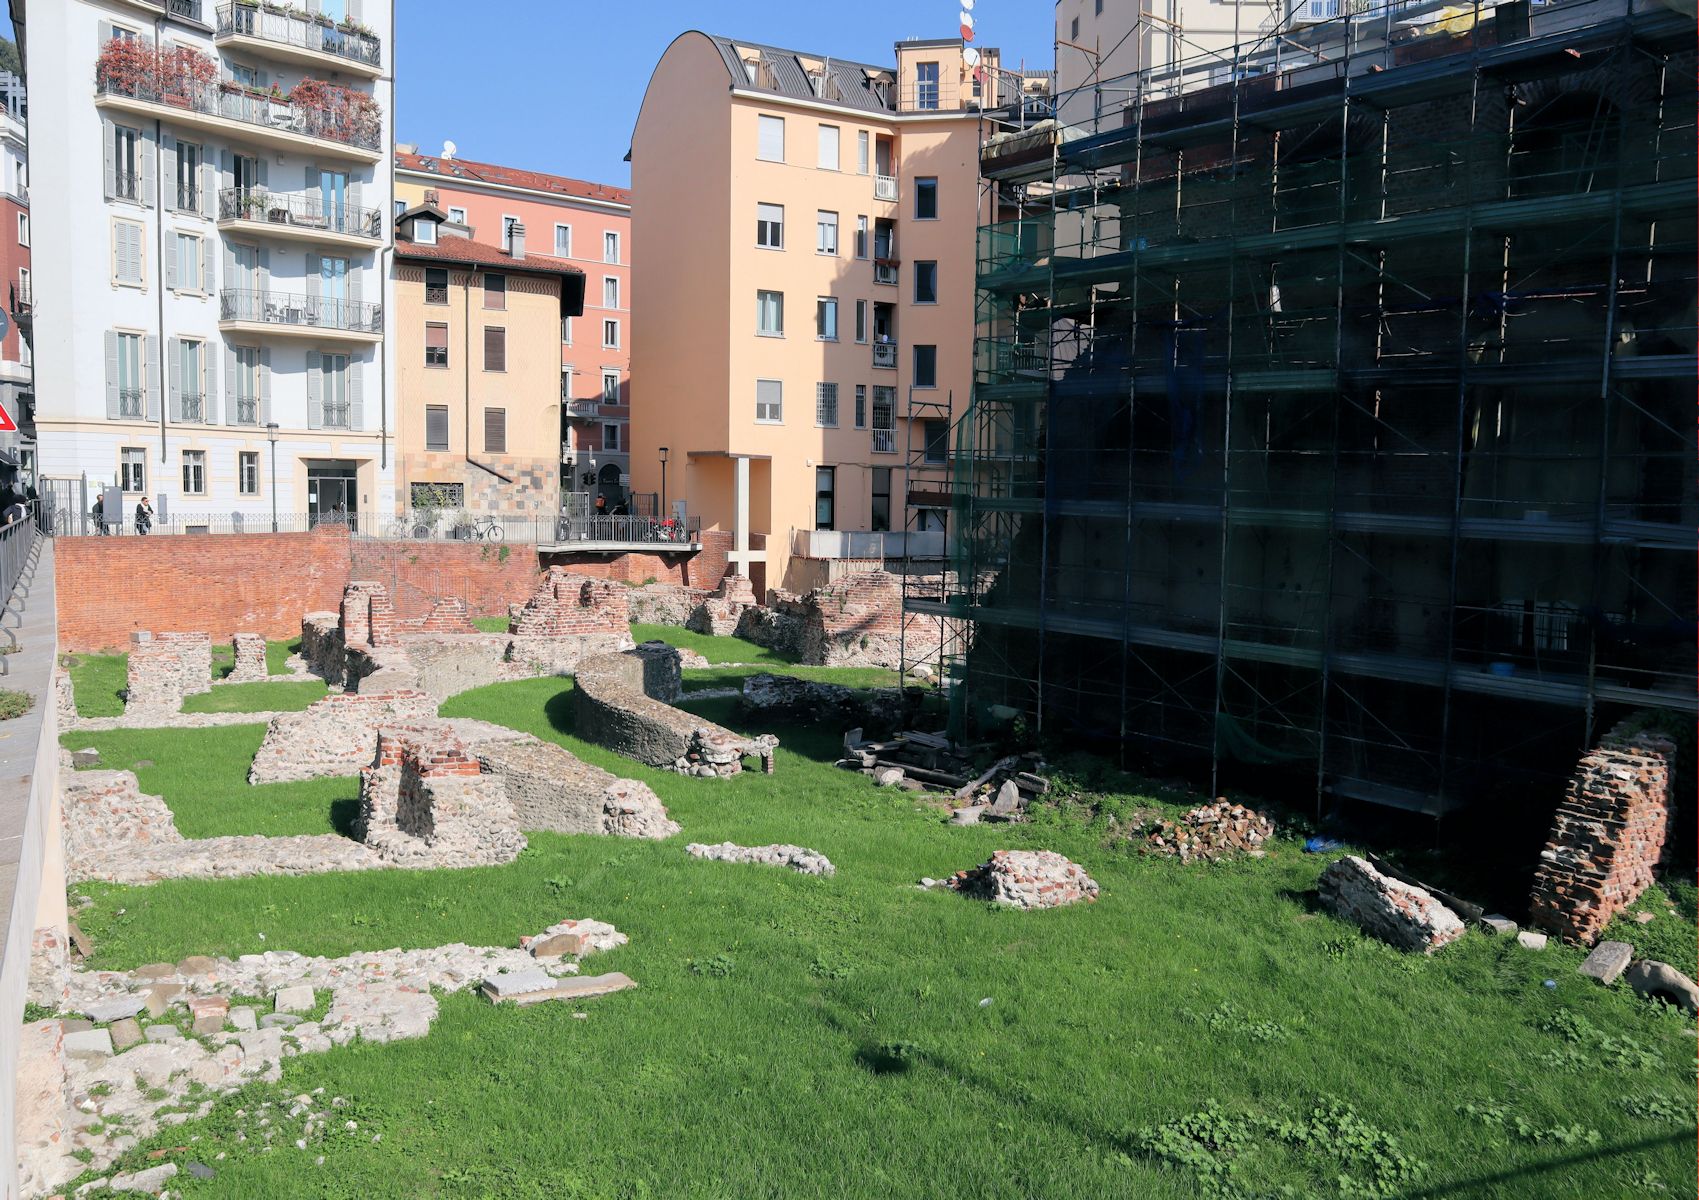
[271,434]
[663,483]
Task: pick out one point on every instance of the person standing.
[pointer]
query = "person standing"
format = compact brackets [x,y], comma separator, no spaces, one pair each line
[144,516]
[100,515]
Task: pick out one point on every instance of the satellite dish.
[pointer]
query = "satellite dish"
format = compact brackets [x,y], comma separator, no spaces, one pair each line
[970,56]
[967,17]
[448,150]
[967,5]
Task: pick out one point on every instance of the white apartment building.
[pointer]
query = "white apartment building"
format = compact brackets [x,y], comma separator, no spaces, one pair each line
[210,252]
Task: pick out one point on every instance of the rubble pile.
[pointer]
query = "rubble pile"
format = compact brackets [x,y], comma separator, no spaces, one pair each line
[1396,912]
[1027,879]
[922,761]
[1210,832]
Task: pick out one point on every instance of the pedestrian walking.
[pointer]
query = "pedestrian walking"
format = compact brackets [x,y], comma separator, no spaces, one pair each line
[100,515]
[144,516]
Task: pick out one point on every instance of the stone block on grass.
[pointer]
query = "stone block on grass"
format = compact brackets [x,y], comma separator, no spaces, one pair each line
[125,1033]
[1390,909]
[296,999]
[208,1013]
[1659,981]
[115,1008]
[1607,962]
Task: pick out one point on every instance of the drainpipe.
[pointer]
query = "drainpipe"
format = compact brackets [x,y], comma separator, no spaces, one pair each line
[466,375]
[159,259]
[385,263]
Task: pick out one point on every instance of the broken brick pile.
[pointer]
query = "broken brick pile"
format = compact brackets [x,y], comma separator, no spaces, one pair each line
[1211,831]
[249,651]
[567,619]
[1607,837]
[1396,912]
[164,668]
[448,614]
[426,802]
[721,613]
[1027,879]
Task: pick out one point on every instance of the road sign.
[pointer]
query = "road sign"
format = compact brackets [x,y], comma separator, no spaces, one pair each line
[7,425]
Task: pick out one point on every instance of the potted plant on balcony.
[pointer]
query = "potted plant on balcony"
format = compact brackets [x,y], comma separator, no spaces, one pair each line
[126,66]
[184,72]
[343,114]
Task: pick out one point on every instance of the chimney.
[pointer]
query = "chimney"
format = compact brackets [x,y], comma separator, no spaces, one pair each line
[516,240]
[431,197]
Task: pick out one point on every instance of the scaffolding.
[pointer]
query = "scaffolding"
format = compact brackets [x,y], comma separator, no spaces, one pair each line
[1332,422]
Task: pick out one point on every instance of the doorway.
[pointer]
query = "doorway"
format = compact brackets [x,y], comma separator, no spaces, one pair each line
[333,494]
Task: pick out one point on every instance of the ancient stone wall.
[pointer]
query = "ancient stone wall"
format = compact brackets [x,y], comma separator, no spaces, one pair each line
[447,615]
[567,619]
[321,646]
[445,665]
[720,613]
[615,707]
[1607,837]
[664,603]
[425,801]
[878,711]
[249,649]
[164,668]
[552,789]
[335,735]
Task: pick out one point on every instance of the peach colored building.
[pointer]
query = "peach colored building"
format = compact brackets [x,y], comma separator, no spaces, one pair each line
[806,289]
[587,225]
[478,392]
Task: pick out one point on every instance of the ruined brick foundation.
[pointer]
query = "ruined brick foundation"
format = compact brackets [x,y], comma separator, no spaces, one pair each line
[249,650]
[1390,909]
[1607,837]
[164,668]
[333,736]
[567,619]
[426,802]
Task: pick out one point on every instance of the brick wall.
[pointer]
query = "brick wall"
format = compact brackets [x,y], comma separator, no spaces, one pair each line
[702,569]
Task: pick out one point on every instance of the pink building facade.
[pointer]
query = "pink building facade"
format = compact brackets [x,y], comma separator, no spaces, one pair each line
[588,225]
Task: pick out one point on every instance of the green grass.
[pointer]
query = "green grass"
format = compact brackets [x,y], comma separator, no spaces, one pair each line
[277,695]
[714,649]
[98,680]
[490,624]
[800,1037]
[203,776]
[856,677]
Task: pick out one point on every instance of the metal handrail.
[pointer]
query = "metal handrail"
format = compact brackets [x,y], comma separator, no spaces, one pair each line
[302,32]
[301,211]
[213,100]
[280,308]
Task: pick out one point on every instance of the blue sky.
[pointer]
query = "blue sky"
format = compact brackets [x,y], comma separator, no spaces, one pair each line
[501,82]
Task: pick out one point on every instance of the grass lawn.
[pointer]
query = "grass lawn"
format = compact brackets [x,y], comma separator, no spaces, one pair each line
[203,776]
[275,695]
[714,649]
[98,680]
[491,624]
[705,678]
[857,1037]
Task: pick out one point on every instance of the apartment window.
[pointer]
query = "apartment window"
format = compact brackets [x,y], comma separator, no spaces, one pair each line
[610,387]
[926,198]
[334,387]
[826,405]
[400,207]
[425,231]
[926,366]
[861,140]
[126,183]
[128,255]
[436,427]
[187,264]
[885,420]
[770,139]
[610,335]
[23,229]
[825,497]
[770,314]
[245,384]
[194,472]
[926,86]
[770,226]
[861,320]
[610,437]
[495,348]
[188,177]
[190,384]
[925,282]
[1074,30]
[563,241]
[861,237]
[436,344]
[1099,8]
[610,292]
[861,406]
[436,285]
[937,435]
[828,148]
[495,291]
[769,401]
[826,232]
[610,247]
[248,472]
[495,431]
[879,512]
[132,469]
[125,351]
[457,216]
[826,318]
[566,331]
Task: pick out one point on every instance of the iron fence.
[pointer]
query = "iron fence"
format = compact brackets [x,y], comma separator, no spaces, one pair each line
[302,30]
[282,308]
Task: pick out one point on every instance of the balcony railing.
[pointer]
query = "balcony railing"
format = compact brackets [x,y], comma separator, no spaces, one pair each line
[191,406]
[299,211]
[279,308]
[885,355]
[131,403]
[23,296]
[884,187]
[884,272]
[303,32]
[884,441]
[247,410]
[852,543]
[229,103]
[581,409]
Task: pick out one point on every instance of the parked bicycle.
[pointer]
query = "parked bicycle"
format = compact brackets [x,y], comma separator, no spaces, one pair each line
[483,529]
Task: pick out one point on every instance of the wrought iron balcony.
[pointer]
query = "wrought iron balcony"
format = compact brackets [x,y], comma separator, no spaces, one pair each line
[301,31]
[885,355]
[300,312]
[308,213]
[884,441]
[884,187]
[884,271]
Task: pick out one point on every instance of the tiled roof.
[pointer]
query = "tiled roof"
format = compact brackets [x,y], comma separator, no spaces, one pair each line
[465,252]
[464,170]
[848,85]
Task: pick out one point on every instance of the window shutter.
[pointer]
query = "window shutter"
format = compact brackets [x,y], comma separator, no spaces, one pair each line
[168,168]
[143,146]
[265,268]
[265,385]
[314,201]
[138,254]
[111,375]
[105,35]
[150,377]
[206,270]
[230,280]
[174,378]
[354,275]
[352,220]
[209,190]
[356,397]
[436,427]
[495,348]
[313,269]
[172,254]
[109,164]
[209,382]
[226,175]
[315,390]
[495,431]
[229,355]
[264,173]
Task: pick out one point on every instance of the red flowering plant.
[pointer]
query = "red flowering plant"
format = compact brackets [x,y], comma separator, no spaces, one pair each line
[185,71]
[344,114]
[126,66]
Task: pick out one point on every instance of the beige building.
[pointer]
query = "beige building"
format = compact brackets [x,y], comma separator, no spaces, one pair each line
[477,340]
[803,316]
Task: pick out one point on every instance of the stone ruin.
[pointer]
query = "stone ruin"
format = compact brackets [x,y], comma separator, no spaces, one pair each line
[552,789]
[721,613]
[798,858]
[877,711]
[425,801]
[568,619]
[334,736]
[165,668]
[1607,837]
[625,702]
[249,650]
[1026,879]
[1396,912]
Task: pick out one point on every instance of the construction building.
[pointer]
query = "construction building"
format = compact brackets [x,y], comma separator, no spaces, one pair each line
[1332,430]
